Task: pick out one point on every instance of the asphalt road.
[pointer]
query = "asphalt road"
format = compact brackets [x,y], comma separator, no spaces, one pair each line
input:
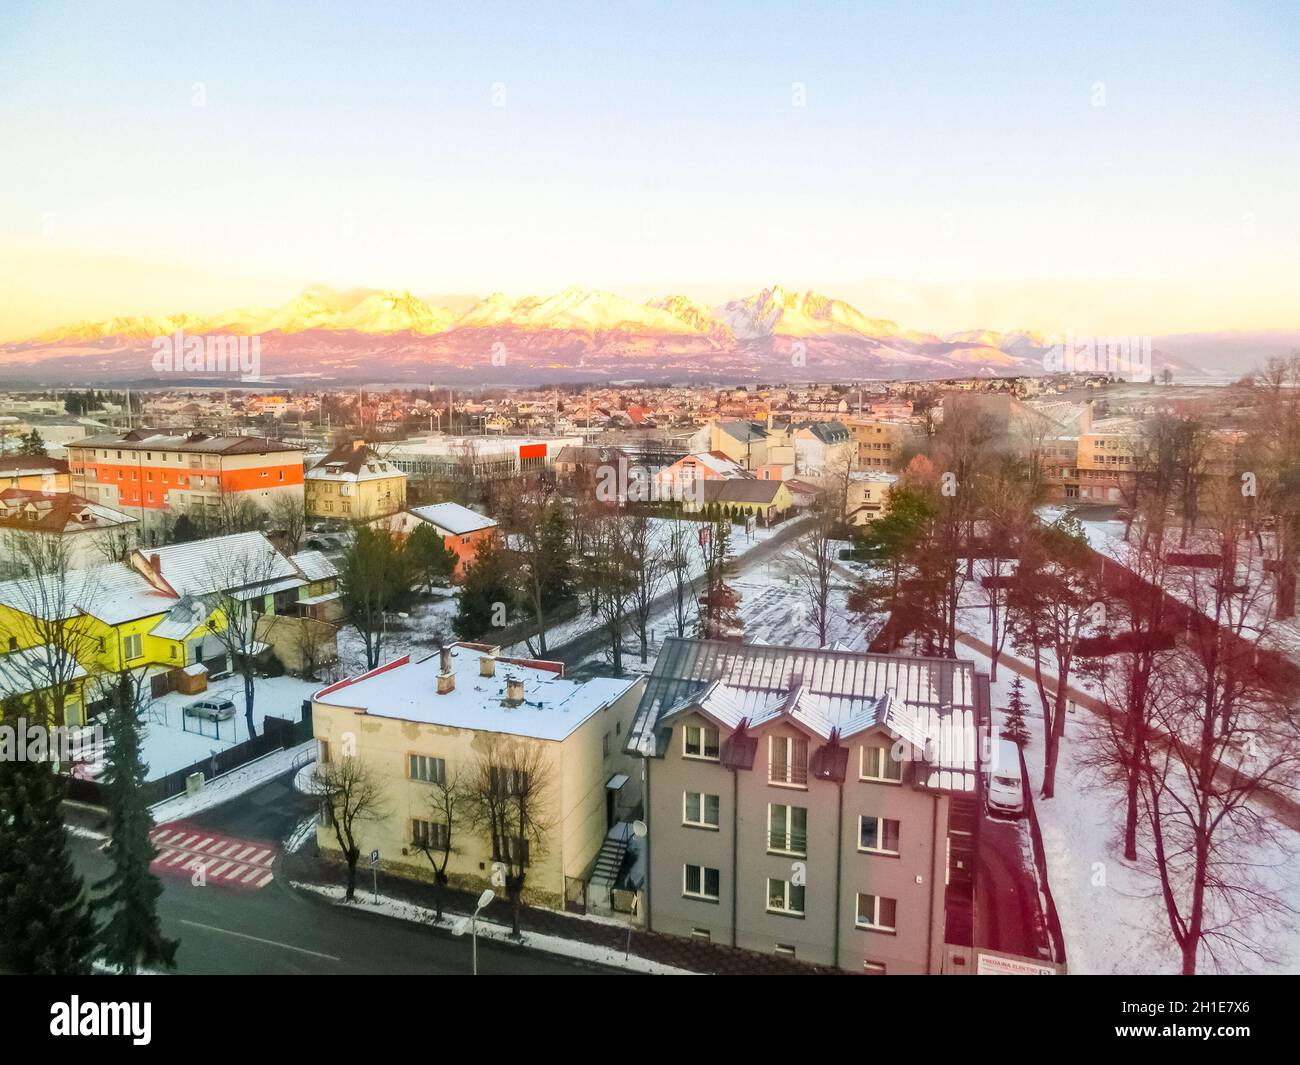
[278,931]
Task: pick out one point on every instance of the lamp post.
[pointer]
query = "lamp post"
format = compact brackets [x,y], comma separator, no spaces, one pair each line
[471,922]
[639,830]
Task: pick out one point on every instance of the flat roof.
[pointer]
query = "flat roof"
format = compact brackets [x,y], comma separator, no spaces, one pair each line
[552,708]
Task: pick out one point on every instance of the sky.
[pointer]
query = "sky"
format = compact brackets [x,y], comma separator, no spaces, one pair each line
[1089,167]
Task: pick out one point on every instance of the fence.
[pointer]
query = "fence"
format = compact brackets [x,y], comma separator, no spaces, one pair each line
[277,734]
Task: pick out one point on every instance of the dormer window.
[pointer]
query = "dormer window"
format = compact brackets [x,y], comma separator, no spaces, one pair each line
[700,741]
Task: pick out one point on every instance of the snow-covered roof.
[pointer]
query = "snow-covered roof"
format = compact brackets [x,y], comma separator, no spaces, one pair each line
[113,593]
[453,519]
[552,708]
[28,670]
[219,564]
[314,565]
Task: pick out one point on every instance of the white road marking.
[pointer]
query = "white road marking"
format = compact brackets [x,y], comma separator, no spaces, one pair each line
[220,868]
[259,939]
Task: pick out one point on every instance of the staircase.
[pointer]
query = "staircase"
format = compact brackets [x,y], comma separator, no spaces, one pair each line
[609,863]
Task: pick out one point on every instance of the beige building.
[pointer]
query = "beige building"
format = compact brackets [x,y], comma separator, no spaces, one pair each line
[868,496]
[352,483]
[880,442]
[798,800]
[413,722]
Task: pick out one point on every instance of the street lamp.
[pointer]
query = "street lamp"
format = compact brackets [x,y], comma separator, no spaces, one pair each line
[639,830]
[471,922]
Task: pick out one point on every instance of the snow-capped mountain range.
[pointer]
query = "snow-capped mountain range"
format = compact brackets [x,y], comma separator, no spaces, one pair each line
[394,335]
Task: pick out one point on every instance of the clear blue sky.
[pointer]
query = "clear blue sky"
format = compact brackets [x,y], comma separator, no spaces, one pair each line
[648,147]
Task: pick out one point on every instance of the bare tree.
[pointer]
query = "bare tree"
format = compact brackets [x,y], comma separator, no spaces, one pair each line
[352,795]
[649,568]
[53,631]
[508,796]
[610,571]
[814,565]
[677,564]
[289,520]
[242,580]
[448,800]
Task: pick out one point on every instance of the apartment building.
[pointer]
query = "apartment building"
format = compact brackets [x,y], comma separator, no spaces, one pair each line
[35,473]
[867,498]
[1107,465]
[154,476]
[412,723]
[879,443]
[353,483]
[798,800]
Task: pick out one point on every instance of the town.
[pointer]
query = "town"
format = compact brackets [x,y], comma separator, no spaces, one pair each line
[888,679]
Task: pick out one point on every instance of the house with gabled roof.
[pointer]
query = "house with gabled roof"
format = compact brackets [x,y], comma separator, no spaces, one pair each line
[799,800]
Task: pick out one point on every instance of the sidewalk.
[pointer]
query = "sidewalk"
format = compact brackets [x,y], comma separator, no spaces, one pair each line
[312,872]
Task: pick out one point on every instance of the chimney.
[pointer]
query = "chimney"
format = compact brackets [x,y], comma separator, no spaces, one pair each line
[446,682]
[155,563]
[514,691]
[487,666]
[444,654]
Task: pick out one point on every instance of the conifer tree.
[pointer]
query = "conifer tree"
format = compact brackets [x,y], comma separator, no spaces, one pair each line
[45,923]
[1013,725]
[132,936]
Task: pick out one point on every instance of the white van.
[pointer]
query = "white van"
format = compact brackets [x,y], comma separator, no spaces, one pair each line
[1005,793]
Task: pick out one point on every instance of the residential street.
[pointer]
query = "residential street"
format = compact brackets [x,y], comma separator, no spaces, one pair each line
[226,930]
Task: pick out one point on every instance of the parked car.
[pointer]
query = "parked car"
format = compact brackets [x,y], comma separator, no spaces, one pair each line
[1006,792]
[211,709]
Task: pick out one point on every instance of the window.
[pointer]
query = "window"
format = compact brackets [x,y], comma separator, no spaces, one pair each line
[604,745]
[876,911]
[701,741]
[878,834]
[430,834]
[131,647]
[787,829]
[699,882]
[784,897]
[873,968]
[427,768]
[323,752]
[879,763]
[786,949]
[701,933]
[787,760]
[700,810]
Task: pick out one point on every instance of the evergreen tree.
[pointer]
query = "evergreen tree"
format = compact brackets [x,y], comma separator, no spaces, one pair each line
[133,934]
[433,562]
[484,593]
[32,444]
[184,530]
[45,923]
[1013,725]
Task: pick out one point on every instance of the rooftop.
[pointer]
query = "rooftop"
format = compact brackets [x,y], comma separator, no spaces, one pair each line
[408,691]
[163,440]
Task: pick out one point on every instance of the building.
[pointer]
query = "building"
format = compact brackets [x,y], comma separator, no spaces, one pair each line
[35,473]
[353,483]
[823,449]
[155,476]
[412,722]
[744,442]
[462,530]
[867,498]
[1106,465]
[161,609]
[880,443]
[766,500]
[92,533]
[472,459]
[798,800]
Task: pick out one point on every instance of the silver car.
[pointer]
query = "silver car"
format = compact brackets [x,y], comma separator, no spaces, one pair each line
[211,709]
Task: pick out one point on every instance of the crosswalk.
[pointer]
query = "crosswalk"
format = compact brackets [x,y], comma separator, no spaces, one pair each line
[209,858]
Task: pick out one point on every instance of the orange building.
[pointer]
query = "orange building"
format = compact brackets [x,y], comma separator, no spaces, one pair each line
[462,529]
[155,476]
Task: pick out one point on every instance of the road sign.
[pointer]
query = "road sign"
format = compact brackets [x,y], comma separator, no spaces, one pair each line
[374,857]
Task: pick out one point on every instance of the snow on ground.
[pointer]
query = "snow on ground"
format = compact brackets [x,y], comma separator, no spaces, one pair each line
[229,785]
[1112,915]
[569,948]
[171,741]
[426,625]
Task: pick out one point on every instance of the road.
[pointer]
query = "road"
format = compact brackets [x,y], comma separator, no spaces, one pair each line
[574,651]
[278,931]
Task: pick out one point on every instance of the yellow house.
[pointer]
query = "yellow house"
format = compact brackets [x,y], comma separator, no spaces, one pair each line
[413,723]
[766,500]
[35,473]
[867,498]
[353,483]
